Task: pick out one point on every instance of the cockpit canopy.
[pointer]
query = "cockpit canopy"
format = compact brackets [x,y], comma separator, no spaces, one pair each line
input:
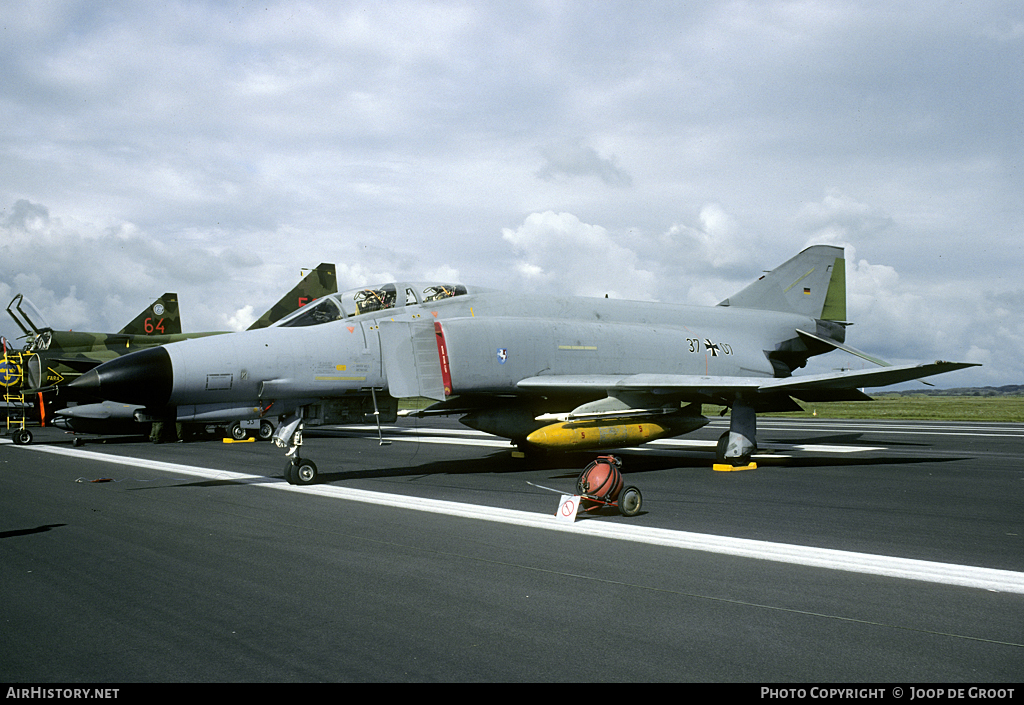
[356,302]
[31,322]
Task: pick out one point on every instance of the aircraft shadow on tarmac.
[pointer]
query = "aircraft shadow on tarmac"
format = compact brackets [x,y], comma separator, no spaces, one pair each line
[27,532]
[798,460]
[563,465]
[85,439]
[570,465]
[561,470]
[842,439]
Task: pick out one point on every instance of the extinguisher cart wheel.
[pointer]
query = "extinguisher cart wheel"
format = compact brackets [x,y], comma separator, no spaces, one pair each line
[630,501]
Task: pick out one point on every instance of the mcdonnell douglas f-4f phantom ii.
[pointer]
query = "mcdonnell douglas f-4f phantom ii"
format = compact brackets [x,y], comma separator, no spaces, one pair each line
[555,373]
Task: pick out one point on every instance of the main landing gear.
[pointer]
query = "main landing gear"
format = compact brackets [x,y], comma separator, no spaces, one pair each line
[736,445]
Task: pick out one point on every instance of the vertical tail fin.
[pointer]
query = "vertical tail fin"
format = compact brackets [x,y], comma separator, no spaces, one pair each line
[320,282]
[159,318]
[811,284]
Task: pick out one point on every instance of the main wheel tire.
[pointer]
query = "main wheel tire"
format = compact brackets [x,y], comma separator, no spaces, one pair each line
[266,430]
[630,501]
[238,433]
[723,444]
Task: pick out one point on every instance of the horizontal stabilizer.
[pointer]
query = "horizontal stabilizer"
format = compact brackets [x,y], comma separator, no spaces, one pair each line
[851,379]
[845,348]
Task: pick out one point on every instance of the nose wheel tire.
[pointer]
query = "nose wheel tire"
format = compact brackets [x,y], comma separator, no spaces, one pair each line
[301,472]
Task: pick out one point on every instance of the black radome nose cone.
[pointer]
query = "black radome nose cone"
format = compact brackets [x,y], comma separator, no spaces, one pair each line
[144,377]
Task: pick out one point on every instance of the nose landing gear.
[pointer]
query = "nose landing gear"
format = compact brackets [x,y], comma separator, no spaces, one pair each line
[300,472]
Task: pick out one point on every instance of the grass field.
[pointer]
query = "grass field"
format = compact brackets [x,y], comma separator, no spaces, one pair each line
[888,406]
[931,408]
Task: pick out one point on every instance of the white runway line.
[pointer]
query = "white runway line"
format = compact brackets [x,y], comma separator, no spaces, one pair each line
[910,569]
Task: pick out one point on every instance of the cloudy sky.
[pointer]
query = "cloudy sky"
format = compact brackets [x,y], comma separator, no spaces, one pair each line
[666,151]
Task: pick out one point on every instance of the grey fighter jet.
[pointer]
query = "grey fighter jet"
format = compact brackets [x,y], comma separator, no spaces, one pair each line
[556,373]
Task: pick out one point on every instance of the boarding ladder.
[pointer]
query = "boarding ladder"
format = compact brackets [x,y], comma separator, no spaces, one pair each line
[12,381]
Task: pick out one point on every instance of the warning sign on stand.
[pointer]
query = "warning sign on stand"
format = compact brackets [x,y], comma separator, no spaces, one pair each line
[567,507]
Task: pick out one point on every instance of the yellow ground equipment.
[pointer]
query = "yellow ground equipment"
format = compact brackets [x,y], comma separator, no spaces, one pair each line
[12,378]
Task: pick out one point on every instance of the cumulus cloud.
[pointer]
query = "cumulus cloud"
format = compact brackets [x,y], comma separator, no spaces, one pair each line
[839,218]
[560,253]
[97,277]
[566,161]
[442,273]
[241,319]
[716,239]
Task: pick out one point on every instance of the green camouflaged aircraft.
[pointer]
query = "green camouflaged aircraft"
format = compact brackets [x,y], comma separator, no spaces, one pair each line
[53,358]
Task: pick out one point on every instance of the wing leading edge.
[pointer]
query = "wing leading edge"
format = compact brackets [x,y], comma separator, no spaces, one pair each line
[692,386]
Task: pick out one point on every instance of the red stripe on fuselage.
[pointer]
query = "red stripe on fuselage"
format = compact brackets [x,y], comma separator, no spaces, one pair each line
[442,354]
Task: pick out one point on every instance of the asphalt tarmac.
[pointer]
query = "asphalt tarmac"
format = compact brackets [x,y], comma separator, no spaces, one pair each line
[872,552]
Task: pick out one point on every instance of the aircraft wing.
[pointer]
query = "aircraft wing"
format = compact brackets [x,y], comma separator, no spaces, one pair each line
[651,383]
[832,385]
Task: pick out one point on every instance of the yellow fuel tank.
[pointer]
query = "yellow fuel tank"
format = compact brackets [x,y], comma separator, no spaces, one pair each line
[597,434]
